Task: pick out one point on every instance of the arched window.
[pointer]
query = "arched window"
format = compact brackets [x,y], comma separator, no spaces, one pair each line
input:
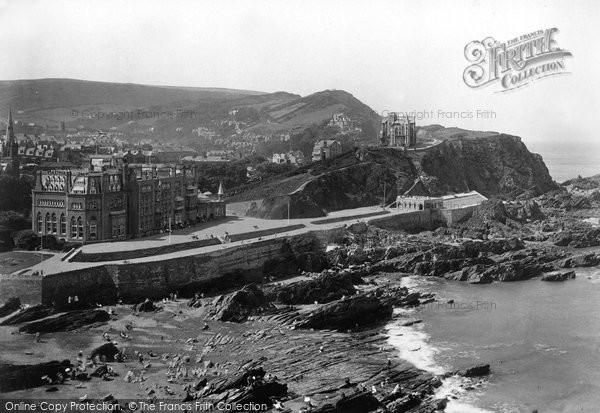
[79,227]
[73,228]
[63,224]
[40,224]
[93,228]
[54,223]
[48,223]
[420,207]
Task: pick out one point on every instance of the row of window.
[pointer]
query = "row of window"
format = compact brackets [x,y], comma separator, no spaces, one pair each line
[51,224]
[58,226]
[51,203]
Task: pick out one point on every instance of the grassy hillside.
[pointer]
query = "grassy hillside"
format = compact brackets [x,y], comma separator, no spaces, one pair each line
[44,94]
[49,101]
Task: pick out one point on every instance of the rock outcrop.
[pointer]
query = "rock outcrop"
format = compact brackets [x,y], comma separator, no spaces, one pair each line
[30,314]
[240,305]
[353,312]
[323,288]
[578,238]
[106,352]
[11,305]
[559,276]
[18,377]
[476,371]
[72,320]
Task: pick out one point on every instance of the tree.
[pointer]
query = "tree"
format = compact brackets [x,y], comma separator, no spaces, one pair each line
[16,193]
[29,240]
[13,220]
[26,239]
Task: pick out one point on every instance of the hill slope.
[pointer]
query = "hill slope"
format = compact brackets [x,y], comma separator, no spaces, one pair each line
[496,166]
[38,94]
[49,101]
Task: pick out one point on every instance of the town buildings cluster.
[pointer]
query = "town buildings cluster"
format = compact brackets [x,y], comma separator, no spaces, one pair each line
[111,199]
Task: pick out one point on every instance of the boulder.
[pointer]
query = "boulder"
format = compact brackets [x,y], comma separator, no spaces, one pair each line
[18,377]
[323,288]
[146,307]
[106,352]
[528,210]
[475,274]
[240,305]
[476,371]
[559,276]
[357,255]
[356,311]
[195,302]
[72,320]
[582,260]
[12,305]
[359,402]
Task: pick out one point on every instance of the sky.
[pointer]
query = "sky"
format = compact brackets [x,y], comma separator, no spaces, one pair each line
[398,55]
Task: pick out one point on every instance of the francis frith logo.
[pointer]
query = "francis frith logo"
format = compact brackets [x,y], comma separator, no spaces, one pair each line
[516,62]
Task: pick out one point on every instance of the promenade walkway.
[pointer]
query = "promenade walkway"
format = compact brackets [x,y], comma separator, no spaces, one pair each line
[231,226]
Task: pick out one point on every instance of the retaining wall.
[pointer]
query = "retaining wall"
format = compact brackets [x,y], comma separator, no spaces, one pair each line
[213,271]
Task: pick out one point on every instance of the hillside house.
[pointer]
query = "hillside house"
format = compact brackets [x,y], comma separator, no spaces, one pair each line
[325,149]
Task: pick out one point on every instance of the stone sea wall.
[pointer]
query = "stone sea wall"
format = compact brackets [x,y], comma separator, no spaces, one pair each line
[212,271]
[27,287]
[416,220]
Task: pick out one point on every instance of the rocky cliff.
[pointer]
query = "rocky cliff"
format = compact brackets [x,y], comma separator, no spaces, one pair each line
[496,166]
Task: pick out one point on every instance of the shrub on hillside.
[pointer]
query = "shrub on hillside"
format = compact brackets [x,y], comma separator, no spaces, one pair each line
[29,240]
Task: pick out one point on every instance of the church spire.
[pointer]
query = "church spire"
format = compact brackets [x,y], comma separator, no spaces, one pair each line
[12,146]
[10,132]
[221,192]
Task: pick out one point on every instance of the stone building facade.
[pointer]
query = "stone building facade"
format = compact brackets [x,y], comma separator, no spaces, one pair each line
[107,203]
[418,203]
[398,131]
[325,149]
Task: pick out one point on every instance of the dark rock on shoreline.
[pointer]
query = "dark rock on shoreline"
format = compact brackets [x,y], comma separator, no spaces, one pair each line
[240,305]
[564,200]
[582,260]
[146,307]
[12,305]
[249,385]
[356,311]
[578,239]
[30,314]
[106,352]
[476,371]
[558,276]
[72,320]
[324,288]
[17,377]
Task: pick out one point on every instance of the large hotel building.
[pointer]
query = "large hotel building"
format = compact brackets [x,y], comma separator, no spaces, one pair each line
[112,200]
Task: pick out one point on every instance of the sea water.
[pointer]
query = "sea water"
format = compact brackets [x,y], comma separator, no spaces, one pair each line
[567,159]
[542,340]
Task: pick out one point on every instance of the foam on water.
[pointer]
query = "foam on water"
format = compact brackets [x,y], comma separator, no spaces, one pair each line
[413,345]
[414,348]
